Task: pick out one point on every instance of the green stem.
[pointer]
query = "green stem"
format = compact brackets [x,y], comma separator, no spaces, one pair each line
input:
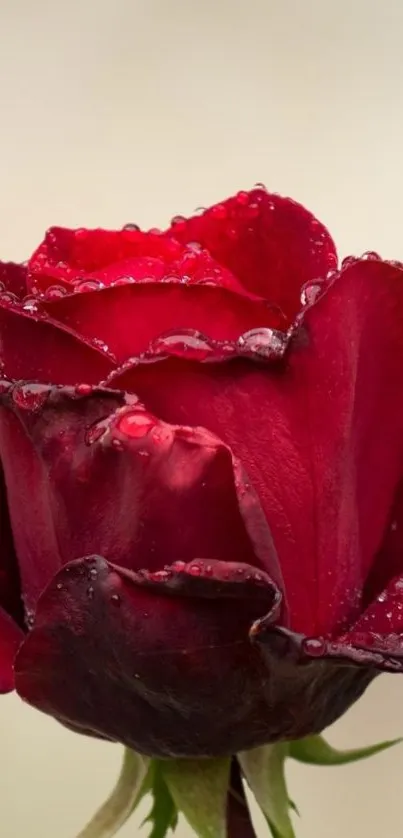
[119,806]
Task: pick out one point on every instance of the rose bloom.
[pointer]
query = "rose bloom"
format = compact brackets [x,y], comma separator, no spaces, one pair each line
[201,442]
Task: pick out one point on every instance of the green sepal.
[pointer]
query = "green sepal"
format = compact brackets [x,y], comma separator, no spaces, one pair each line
[163,815]
[263,769]
[314,750]
[199,788]
[123,800]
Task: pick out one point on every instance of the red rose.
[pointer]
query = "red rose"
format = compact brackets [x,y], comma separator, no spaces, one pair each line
[202,503]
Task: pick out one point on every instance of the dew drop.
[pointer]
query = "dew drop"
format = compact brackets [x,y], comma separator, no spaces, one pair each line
[348,261]
[94,434]
[90,592]
[88,285]
[265,343]
[178,222]
[29,617]
[382,597]
[315,646]
[9,298]
[393,526]
[100,344]
[115,600]
[30,396]
[55,292]
[30,303]
[187,344]
[159,575]
[93,573]
[242,198]
[123,280]
[59,586]
[135,424]
[310,293]
[219,212]
[133,228]
[195,570]
[84,389]
[371,256]
[178,566]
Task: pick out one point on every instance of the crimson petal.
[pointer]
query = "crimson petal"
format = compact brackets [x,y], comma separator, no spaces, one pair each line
[34,348]
[89,470]
[313,433]
[129,318]
[272,244]
[14,278]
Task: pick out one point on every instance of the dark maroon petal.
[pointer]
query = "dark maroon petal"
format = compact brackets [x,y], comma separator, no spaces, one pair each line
[272,244]
[389,560]
[165,665]
[130,319]
[375,639]
[88,470]
[128,657]
[11,636]
[321,437]
[239,822]
[70,254]
[14,278]
[10,584]
[37,349]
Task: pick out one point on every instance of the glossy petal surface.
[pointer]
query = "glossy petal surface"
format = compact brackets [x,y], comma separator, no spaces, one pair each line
[142,659]
[313,433]
[272,244]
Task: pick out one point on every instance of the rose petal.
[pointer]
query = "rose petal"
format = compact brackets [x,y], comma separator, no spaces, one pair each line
[88,470]
[272,244]
[322,438]
[10,584]
[377,636]
[68,254]
[38,349]
[14,278]
[146,660]
[145,664]
[11,637]
[129,318]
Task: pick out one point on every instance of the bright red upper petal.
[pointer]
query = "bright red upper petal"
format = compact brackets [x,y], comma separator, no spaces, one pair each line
[272,244]
[322,438]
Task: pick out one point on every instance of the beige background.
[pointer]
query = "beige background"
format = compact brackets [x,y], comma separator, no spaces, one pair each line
[120,110]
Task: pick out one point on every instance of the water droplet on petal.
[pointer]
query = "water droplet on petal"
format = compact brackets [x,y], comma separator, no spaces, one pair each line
[30,396]
[30,303]
[242,198]
[178,566]
[54,292]
[134,228]
[371,256]
[178,222]
[187,344]
[94,433]
[123,280]
[135,423]
[90,592]
[29,617]
[88,285]
[194,570]
[265,343]
[84,389]
[382,597]
[315,646]
[93,573]
[115,600]
[9,299]
[310,292]
[348,261]
[219,212]
[59,586]
[160,575]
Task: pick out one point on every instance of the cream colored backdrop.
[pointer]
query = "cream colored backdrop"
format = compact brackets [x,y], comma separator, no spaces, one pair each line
[121,110]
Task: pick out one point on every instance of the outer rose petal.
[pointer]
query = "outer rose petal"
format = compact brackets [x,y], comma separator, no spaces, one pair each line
[11,637]
[130,318]
[95,472]
[37,349]
[144,661]
[272,244]
[314,435]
